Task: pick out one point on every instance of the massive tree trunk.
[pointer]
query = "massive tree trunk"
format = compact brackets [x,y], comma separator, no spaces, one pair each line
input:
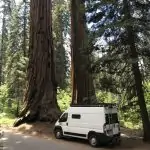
[40,98]
[82,84]
[137,75]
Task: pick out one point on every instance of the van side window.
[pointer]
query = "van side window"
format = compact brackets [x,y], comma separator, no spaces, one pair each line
[64,117]
[76,116]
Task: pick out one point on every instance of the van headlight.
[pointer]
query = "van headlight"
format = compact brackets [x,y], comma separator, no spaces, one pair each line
[104,129]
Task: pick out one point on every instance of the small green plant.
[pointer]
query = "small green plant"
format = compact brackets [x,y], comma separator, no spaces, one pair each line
[6,119]
[3,97]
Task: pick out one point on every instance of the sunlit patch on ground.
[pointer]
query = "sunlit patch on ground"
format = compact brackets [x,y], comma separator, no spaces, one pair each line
[3,141]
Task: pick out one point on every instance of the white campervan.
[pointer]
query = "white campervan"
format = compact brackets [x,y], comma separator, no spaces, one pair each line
[97,123]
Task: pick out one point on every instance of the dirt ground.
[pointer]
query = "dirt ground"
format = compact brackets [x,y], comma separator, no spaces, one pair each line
[130,138]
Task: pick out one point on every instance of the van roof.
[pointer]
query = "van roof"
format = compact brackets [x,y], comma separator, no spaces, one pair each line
[110,105]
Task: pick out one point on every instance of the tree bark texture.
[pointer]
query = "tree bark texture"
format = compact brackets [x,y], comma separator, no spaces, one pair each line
[40,98]
[3,38]
[25,29]
[82,83]
[137,75]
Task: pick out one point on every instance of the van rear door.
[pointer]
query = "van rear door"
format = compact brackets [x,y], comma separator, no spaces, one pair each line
[111,121]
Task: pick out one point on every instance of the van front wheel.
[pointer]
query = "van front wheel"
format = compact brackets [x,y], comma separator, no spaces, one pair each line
[93,140]
[58,133]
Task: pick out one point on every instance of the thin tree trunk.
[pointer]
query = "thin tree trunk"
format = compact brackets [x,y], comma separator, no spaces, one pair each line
[137,75]
[25,28]
[40,99]
[139,86]
[82,83]
[2,45]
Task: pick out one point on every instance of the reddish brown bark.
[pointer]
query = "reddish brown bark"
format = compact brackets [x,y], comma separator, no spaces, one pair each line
[40,98]
[82,83]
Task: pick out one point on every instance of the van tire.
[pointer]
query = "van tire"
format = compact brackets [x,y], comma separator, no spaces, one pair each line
[93,140]
[58,133]
[118,142]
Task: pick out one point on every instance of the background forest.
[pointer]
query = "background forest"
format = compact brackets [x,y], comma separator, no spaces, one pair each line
[107,61]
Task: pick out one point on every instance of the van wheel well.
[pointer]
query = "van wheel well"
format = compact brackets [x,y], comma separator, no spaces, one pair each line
[91,133]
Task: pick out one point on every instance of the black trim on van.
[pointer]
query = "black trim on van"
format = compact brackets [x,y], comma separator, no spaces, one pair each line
[57,127]
[76,116]
[111,118]
[104,139]
[110,105]
[75,134]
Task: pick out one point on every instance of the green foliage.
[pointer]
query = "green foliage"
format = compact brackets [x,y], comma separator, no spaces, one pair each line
[60,30]
[125,117]
[147,96]
[3,97]
[106,97]
[6,119]
[115,65]
[131,121]
[16,63]
[64,99]
[8,104]
[17,73]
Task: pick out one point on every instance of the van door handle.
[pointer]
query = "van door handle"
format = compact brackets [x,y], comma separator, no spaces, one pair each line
[67,123]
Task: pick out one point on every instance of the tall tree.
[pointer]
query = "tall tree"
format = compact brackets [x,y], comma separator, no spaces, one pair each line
[124,27]
[40,98]
[60,31]
[82,84]
[6,10]
[16,64]
[136,72]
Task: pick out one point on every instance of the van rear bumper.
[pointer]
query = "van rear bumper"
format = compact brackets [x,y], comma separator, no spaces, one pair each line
[104,139]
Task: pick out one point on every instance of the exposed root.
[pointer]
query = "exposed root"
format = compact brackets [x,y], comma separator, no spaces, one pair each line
[51,116]
[18,122]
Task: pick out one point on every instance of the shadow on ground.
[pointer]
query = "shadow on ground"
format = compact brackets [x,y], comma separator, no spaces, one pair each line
[127,144]
[36,129]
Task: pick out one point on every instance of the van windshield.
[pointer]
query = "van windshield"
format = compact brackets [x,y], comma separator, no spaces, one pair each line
[111,118]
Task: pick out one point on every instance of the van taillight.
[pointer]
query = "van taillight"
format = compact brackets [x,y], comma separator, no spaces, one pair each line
[119,127]
[104,128]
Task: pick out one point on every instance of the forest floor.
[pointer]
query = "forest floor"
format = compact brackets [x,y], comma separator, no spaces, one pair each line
[131,139]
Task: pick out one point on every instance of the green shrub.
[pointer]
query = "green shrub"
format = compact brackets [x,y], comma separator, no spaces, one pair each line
[147,96]
[8,105]
[3,97]
[64,99]
[6,119]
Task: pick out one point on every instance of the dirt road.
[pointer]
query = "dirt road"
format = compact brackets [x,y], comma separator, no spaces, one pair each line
[13,141]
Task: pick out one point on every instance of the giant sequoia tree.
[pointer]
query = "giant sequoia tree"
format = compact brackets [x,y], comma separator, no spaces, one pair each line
[82,84]
[40,98]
